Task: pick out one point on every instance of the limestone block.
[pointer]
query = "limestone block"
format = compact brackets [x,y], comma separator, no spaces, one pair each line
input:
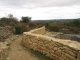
[55,48]
[69,56]
[70,52]
[57,53]
[78,56]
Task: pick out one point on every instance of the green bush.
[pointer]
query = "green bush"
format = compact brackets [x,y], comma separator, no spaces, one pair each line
[74,29]
[20,28]
[54,27]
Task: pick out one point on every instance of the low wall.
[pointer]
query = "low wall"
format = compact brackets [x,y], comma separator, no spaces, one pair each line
[54,48]
[38,31]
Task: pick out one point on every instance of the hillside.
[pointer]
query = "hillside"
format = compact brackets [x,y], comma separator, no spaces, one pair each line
[56,20]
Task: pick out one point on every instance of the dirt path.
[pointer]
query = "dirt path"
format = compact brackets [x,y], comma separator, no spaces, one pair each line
[18,52]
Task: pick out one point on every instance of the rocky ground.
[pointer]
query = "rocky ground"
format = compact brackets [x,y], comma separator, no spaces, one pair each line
[12,49]
[59,35]
[5,32]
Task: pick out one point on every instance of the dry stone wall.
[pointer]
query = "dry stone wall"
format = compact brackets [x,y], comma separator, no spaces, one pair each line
[38,31]
[54,48]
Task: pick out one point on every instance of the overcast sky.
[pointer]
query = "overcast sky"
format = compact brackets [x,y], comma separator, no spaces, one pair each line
[41,9]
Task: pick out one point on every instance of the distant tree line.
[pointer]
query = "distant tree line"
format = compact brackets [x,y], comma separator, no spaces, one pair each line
[19,26]
[25,24]
[70,27]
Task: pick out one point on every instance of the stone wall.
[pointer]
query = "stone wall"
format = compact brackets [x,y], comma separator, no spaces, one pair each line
[38,31]
[54,48]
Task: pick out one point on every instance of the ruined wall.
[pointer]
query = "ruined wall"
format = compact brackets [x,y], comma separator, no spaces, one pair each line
[38,31]
[54,48]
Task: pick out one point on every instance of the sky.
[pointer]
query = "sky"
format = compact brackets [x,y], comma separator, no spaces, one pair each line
[41,9]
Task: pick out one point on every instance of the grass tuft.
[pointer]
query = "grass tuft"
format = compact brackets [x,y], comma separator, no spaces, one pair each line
[39,55]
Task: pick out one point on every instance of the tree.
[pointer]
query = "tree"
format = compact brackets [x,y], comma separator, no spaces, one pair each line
[10,15]
[25,19]
[10,20]
[76,23]
[3,19]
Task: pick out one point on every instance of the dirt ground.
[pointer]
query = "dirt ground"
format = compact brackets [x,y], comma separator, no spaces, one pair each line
[16,51]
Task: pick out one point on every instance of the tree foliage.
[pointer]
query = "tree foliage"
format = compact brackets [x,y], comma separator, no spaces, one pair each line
[25,19]
[20,28]
[10,15]
[76,23]
[10,21]
[54,27]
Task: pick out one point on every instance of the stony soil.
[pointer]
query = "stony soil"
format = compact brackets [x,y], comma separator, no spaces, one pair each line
[5,32]
[16,51]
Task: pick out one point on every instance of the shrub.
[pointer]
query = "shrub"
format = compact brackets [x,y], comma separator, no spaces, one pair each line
[32,25]
[74,29]
[54,27]
[20,28]
[35,25]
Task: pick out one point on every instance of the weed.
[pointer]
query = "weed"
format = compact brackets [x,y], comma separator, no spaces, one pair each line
[8,44]
[13,39]
[39,55]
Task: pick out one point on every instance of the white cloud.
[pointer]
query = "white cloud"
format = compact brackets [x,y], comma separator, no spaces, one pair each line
[41,9]
[39,3]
